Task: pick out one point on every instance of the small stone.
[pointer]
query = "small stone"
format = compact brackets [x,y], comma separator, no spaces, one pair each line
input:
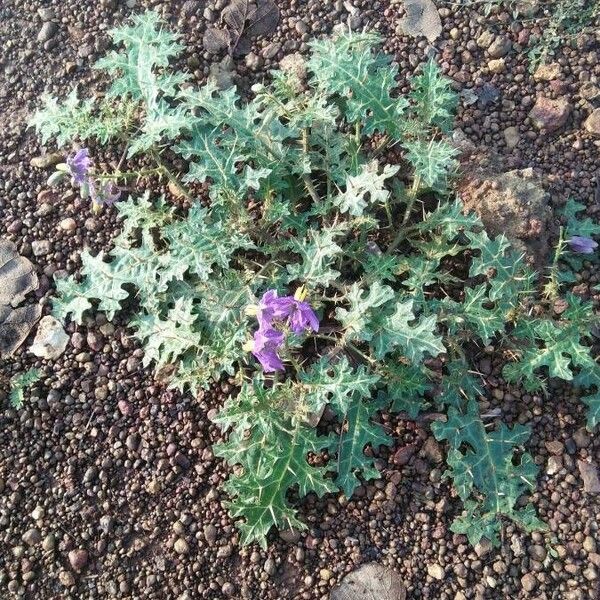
[66,579]
[132,441]
[589,544]
[554,465]
[68,224]
[32,537]
[547,72]
[46,160]
[270,567]
[106,523]
[511,137]
[78,559]
[497,65]
[432,450]
[291,536]
[592,123]
[549,114]
[485,39]
[210,533]
[253,61]
[124,407]
[271,50]
[228,589]
[181,546]
[46,14]
[49,542]
[500,47]
[325,574]
[537,552]
[582,438]
[483,547]
[436,571]
[589,474]
[50,340]
[529,582]
[37,514]
[41,247]
[47,32]
[555,447]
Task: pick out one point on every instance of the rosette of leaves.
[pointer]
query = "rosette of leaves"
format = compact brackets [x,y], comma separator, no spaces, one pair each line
[301,194]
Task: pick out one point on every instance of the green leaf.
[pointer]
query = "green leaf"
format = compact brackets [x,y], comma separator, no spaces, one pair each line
[434,101]
[432,160]
[588,378]
[355,320]
[359,432]
[336,383]
[367,187]
[21,382]
[576,225]
[318,252]
[347,67]
[415,340]
[484,468]
[406,385]
[274,459]
[201,244]
[165,340]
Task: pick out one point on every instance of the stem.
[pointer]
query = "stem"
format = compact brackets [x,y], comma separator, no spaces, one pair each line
[129,174]
[412,196]
[170,176]
[307,182]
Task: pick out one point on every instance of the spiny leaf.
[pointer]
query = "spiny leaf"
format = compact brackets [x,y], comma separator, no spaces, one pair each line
[367,187]
[397,331]
[483,467]
[346,66]
[359,432]
[19,383]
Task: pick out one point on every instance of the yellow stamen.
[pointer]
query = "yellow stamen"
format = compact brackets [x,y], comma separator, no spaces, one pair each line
[248,346]
[251,310]
[301,293]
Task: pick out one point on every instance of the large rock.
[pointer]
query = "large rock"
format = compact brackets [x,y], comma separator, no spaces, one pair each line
[592,123]
[515,204]
[368,582]
[17,279]
[50,340]
[548,114]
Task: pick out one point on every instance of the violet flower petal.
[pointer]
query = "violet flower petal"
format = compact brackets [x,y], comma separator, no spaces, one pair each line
[79,164]
[582,245]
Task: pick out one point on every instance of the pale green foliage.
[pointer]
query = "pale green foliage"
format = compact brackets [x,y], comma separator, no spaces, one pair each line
[485,473]
[298,198]
[19,383]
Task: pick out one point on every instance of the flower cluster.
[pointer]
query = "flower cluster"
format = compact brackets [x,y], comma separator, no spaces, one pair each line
[272,313]
[582,244]
[79,166]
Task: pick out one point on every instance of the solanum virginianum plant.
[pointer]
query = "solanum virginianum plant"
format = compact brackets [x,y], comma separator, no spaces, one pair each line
[318,273]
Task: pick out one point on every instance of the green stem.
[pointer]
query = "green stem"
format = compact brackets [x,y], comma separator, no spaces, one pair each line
[412,197]
[129,174]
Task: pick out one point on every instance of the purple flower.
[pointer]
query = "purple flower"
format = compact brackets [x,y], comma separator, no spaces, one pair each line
[79,164]
[582,245]
[271,308]
[302,317]
[265,346]
[107,195]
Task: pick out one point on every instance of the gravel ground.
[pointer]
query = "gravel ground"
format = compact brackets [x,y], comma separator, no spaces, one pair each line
[108,486]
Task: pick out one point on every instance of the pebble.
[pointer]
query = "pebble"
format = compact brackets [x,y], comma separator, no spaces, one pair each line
[436,571]
[49,542]
[529,582]
[592,123]
[68,224]
[47,32]
[41,247]
[78,559]
[500,47]
[32,537]
[210,534]
[550,114]
[270,567]
[181,546]
[589,474]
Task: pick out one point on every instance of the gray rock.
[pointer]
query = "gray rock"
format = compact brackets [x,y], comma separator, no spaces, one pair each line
[500,47]
[47,32]
[32,537]
[368,582]
[210,534]
[181,546]
[436,571]
[589,474]
[50,340]
[46,14]
[269,567]
[41,247]
[46,160]
[78,559]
